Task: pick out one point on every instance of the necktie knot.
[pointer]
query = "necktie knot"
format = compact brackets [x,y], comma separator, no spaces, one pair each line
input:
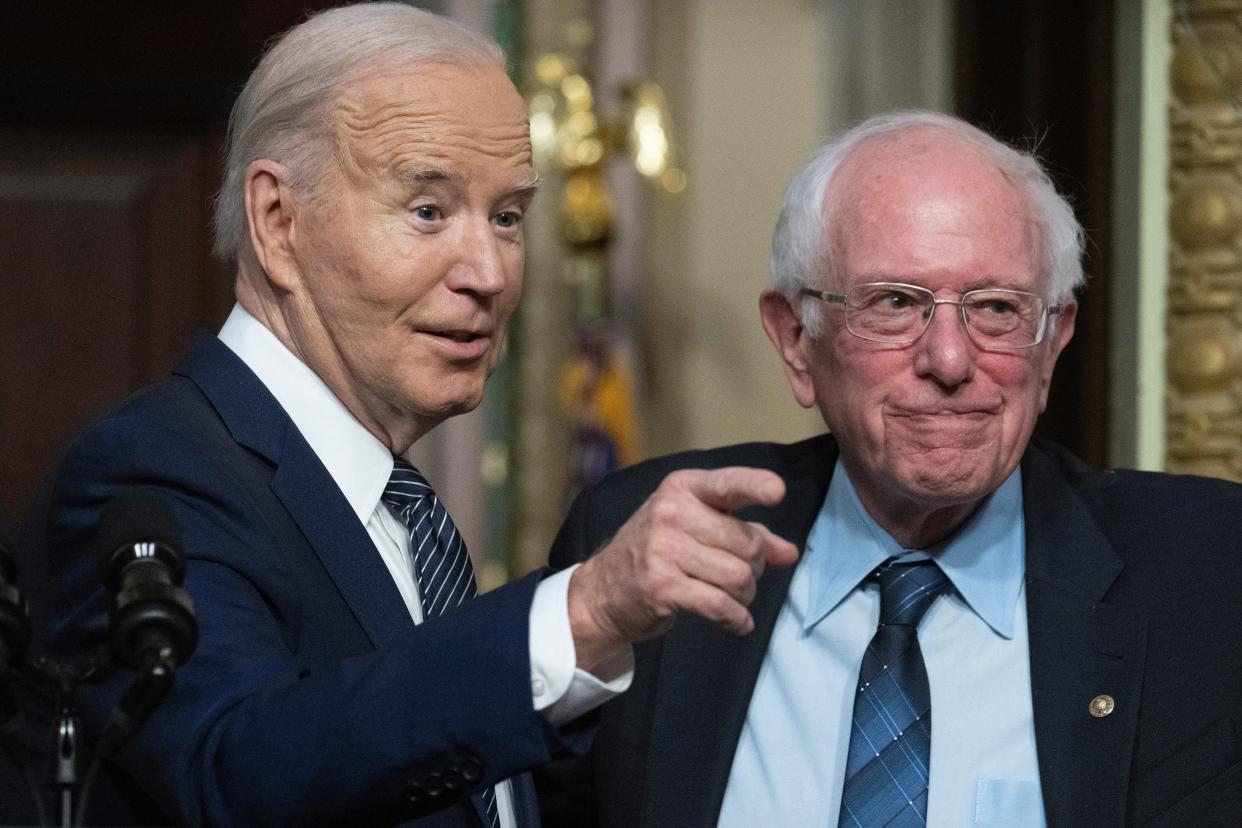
[907,590]
[406,487]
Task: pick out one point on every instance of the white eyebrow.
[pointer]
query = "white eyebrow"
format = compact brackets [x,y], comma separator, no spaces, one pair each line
[418,175]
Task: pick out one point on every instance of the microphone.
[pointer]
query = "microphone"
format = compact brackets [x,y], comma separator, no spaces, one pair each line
[151,626]
[152,619]
[14,623]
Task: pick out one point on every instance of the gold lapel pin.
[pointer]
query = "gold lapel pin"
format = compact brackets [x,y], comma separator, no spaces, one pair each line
[1101,705]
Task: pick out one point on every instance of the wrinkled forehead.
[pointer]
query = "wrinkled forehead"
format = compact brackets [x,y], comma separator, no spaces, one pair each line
[390,115]
[921,187]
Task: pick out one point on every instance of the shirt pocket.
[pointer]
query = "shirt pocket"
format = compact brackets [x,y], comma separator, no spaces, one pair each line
[1006,803]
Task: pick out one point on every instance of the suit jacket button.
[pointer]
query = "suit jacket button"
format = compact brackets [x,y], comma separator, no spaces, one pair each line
[453,780]
[1101,705]
[471,769]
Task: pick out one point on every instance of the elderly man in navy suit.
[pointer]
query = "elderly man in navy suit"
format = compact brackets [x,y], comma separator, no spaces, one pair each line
[980,630]
[378,173]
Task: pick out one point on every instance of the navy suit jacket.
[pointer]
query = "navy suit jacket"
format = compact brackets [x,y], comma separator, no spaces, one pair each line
[1133,589]
[312,697]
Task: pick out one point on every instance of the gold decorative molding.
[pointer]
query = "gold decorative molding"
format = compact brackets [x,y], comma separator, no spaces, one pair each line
[543,327]
[1204,396]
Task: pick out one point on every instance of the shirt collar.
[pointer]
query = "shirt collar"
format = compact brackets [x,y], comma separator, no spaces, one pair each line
[358,463]
[984,560]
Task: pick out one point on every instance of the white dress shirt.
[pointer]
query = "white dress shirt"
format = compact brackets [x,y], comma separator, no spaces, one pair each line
[789,766]
[361,465]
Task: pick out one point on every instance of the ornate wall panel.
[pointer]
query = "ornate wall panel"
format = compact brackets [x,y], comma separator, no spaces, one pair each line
[104,275]
[1204,397]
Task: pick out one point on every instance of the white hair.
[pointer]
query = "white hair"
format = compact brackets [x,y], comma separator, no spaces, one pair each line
[284,113]
[799,252]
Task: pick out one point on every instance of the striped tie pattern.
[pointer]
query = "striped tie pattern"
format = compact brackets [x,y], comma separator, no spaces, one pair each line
[441,564]
[886,772]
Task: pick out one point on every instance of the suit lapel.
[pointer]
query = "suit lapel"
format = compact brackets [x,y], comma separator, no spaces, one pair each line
[525,803]
[1080,649]
[303,486]
[332,529]
[707,675]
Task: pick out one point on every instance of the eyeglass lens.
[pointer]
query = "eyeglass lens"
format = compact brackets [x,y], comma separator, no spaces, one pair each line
[886,312]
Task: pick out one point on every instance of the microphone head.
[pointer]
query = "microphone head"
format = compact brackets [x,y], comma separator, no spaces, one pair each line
[152,618]
[136,527]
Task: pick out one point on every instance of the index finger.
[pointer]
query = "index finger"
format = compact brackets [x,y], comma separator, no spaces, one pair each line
[733,487]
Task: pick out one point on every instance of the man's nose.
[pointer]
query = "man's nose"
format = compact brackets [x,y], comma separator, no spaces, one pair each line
[945,351]
[480,266]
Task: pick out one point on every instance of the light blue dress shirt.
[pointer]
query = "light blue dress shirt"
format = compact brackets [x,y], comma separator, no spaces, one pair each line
[790,761]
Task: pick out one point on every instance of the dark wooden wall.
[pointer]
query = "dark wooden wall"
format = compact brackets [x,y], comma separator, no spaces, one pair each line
[112,118]
[104,272]
[1040,72]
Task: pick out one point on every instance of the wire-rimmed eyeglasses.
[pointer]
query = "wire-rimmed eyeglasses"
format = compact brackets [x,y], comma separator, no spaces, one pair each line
[897,313]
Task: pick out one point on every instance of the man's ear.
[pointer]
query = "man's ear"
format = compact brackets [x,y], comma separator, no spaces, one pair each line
[1058,337]
[270,212]
[783,323]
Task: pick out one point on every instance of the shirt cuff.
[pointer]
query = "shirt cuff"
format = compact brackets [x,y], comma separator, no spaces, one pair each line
[562,691]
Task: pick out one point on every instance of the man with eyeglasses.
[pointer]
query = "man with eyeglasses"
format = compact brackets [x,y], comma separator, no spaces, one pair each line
[980,629]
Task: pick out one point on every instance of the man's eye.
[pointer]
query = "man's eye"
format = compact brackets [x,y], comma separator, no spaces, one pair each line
[996,307]
[508,219]
[897,301]
[427,212]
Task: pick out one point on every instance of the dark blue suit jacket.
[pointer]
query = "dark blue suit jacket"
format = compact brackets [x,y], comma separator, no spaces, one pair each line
[312,697]
[1133,589]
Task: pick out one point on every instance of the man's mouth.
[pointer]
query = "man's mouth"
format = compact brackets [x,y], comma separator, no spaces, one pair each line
[469,333]
[462,336]
[944,408]
[462,344]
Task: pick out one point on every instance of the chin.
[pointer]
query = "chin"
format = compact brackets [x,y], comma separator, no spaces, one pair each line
[948,485]
[458,405]
[449,394]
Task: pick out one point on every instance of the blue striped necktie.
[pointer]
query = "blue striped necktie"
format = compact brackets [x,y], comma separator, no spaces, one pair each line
[890,742]
[441,565]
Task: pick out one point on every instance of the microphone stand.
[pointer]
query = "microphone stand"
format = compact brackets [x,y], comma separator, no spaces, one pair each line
[67,727]
[154,677]
[44,679]
[66,763]
[156,669]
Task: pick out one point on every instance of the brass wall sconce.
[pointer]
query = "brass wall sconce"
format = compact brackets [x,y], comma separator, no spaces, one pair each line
[566,133]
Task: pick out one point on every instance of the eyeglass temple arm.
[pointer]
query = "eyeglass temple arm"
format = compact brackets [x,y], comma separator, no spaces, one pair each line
[823,296]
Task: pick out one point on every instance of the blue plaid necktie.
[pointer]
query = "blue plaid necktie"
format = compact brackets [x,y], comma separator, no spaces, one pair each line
[890,741]
[441,565]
